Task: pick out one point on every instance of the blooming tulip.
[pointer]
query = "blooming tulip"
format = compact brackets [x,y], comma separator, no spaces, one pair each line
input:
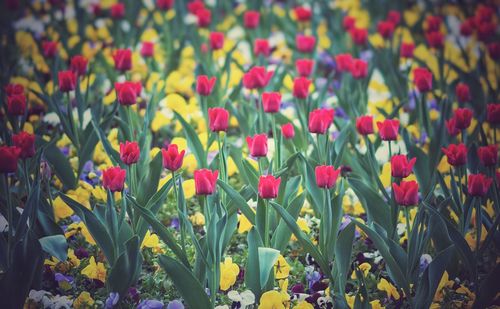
[67,81]
[388,129]
[204,85]
[301,87]
[257,145]
[79,65]
[9,155]
[127,92]
[261,47]
[122,59]
[205,181]
[456,155]
[271,102]
[304,67]
[462,92]
[406,193]
[305,43]
[172,158]
[251,19]
[401,167]
[493,113]
[463,118]
[26,143]
[488,155]
[129,152]
[16,104]
[359,69]
[422,78]
[478,184]
[218,119]
[326,176]
[288,131]
[113,179]
[147,49]
[257,78]
[268,186]
[320,120]
[364,125]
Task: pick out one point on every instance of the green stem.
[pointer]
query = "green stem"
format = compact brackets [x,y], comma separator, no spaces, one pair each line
[266,224]
[222,167]
[390,151]
[130,123]
[10,216]
[262,115]
[180,209]
[408,231]
[26,175]
[277,163]
[72,122]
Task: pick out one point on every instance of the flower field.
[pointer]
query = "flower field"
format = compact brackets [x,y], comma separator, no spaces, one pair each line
[249,154]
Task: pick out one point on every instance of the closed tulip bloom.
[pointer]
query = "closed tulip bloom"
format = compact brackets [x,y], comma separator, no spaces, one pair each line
[79,65]
[401,167]
[302,13]
[462,92]
[9,155]
[488,155]
[164,5]
[172,158]
[49,49]
[326,176]
[451,127]
[67,81]
[216,40]
[456,155]
[435,39]
[388,129]
[359,36]
[218,119]
[271,102]
[359,68]
[261,47]
[147,49]
[304,67]
[364,125]
[257,78]
[478,184]
[205,85]
[394,17]
[113,179]
[344,62]
[320,120]
[467,27]
[26,143]
[406,193]
[195,5]
[122,59]
[422,78]
[117,10]
[269,186]
[305,43]
[463,118]
[127,92]
[348,22]
[251,19]
[13,89]
[385,29]
[288,131]
[493,113]
[129,152]
[301,87]
[205,181]
[432,23]
[257,145]
[406,50]
[16,104]
[204,16]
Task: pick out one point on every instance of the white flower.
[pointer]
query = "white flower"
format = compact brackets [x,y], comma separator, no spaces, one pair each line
[245,298]
[52,119]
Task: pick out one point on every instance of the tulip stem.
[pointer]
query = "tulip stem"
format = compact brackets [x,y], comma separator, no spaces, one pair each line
[408,231]
[222,165]
[10,215]
[390,150]
[26,175]
[181,210]
[130,123]
[276,155]
[72,122]
[266,223]
[262,115]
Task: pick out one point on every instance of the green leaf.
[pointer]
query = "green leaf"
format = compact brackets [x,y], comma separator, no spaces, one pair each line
[282,233]
[343,251]
[114,156]
[267,259]
[191,290]
[252,271]
[193,142]
[56,246]
[125,272]
[238,201]
[59,163]
[314,191]
[150,180]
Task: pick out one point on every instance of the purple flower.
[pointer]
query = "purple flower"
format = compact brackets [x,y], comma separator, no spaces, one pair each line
[62,278]
[175,304]
[112,300]
[150,304]
[175,223]
[425,260]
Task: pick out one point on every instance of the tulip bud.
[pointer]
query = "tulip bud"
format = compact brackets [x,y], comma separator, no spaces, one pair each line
[301,87]
[326,176]
[462,92]
[113,179]
[406,193]
[129,152]
[122,59]
[9,155]
[364,125]
[172,159]
[304,67]
[251,19]
[216,40]
[79,65]
[305,43]
[147,49]
[16,104]
[493,114]
[218,119]
[288,131]
[257,145]
[268,187]
[67,81]
[488,155]
[26,143]
[271,102]
[205,181]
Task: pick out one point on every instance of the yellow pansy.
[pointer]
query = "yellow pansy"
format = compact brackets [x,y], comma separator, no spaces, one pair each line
[95,270]
[244,225]
[79,228]
[198,219]
[228,273]
[189,188]
[387,287]
[364,267]
[281,268]
[150,241]
[84,300]
[302,223]
[274,300]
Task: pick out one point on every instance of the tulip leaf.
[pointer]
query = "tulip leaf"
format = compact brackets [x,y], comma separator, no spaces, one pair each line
[239,202]
[252,271]
[267,259]
[55,245]
[343,250]
[59,163]
[126,270]
[193,141]
[150,180]
[315,193]
[282,233]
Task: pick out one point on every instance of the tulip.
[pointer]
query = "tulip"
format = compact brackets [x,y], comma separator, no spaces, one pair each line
[456,154]
[117,10]
[16,104]
[435,39]
[205,181]
[422,78]
[305,43]
[269,186]
[9,155]
[164,5]
[172,158]
[433,23]
[204,17]
[326,176]
[463,118]
[216,40]
[385,29]
[359,36]
[218,119]
[401,167]
[261,47]
[467,27]
[303,14]
[79,65]
[49,49]
[493,113]
[271,102]
[451,127]
[204,85]
[301,87]
[394,17]
[304,67]
[478,184]
[14,89]
[406,50]
[122,59]
[462,92]
[257,145]
[359,69]
[194,6]
[251,19]
[288,131]
[256,78]
[26,143]
[344,62]
[494,50]
[348,22]
[67,81]
[320,120]
[364,125]
[388,129]
[127,92]
[406,193]
[488,155]
[485,31]
[147,49]
[129,152]
[113,179]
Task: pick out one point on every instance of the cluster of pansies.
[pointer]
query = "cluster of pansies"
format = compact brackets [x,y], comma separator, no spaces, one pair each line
[249,154]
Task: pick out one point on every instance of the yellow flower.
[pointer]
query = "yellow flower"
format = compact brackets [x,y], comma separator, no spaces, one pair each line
[189,188]
[273,300]
[228,273]
[150,241]
[244,224]
[79,228]
[364,267]
[281,268]
[198,219]
[95,270]
[84,300]
[302,223]
[387,287]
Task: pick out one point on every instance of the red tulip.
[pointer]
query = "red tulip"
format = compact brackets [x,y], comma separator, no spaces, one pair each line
[359,36]
[216,40]
[16,104]
[67,81]
[451,126]
[271,102]
[129,152]
[301,87]
[304,67]
[348,22]
[205,181]
[401,167]
[12,89]
[257,78]
[483,14]
[344,62]
[218,119]
[269,186]
[394,17]
[435,39]
[494,50]
[305,43]
[463,118]
[9,155]
[127,92]
[493,113]
[388,129]
[204,16]
[326,176]
[147,49]
[364,125]
[320,120]
[122,59]
[113,179]
[456,154]
[485,31]
[422,78]
[172,158]
[195,5]
[261,47]
[257,145]
[359,69]
[488,155]
[79,65]
[406,193]
[251,19]
[204,85]
[288,131]
[49,49]
[462,92]
[303,14]
[467,27]
[26,143]
[406,50]
[164,5]
[118,10]
[478,184]
[433,23]
[385,29]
